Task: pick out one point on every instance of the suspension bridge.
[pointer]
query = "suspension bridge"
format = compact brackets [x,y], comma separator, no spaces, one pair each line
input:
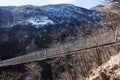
[92,41]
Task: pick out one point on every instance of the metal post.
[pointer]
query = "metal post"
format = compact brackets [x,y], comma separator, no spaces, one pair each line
[119,59]
[116,32]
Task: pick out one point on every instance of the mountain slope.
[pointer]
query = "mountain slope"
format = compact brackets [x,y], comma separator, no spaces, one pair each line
[27,30]
[107,71]
[51,14]
[30,28]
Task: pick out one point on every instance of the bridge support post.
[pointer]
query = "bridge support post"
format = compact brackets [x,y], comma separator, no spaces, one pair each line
[119,59]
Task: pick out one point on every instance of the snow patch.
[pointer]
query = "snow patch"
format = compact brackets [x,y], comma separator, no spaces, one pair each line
[40,21]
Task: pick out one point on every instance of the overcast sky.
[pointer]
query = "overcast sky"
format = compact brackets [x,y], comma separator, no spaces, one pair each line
[81,3]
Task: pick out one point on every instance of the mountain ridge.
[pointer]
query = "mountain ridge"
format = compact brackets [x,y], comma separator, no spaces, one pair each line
[57,14]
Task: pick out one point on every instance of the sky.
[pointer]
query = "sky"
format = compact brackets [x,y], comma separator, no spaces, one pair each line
[82,3]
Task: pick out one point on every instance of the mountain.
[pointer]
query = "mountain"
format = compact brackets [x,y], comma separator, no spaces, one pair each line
[44,15]
[24,29]
[109,8]
[110,13]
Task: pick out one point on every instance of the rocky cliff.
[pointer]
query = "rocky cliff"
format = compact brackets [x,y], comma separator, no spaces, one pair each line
[107,71]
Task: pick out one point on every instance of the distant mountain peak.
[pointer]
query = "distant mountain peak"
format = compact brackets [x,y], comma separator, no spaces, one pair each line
[56,14]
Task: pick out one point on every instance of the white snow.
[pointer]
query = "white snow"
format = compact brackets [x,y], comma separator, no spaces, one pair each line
[40,22]
[26,36]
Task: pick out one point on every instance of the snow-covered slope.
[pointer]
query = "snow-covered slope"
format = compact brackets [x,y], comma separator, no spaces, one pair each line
[45,15]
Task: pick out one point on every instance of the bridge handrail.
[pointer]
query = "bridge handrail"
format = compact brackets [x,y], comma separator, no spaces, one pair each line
[80,44]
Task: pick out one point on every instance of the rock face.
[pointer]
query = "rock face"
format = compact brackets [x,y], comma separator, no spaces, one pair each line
[107,71]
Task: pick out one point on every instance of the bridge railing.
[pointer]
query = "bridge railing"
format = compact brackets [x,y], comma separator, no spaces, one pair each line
[81,44]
